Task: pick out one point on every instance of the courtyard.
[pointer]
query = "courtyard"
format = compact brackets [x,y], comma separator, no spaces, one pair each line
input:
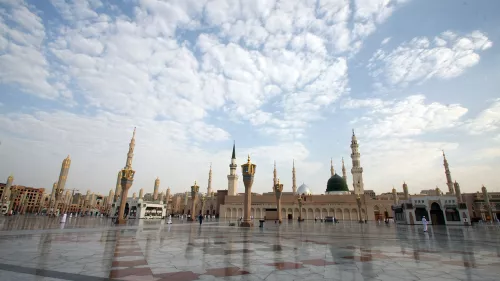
[40,248]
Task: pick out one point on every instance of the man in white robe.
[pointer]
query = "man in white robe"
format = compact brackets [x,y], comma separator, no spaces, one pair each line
[424,222]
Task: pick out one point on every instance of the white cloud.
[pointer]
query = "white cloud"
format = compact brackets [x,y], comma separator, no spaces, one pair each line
[406,117]
[418,163]
[487,121]
[21,36]
[385,41]
[447,56]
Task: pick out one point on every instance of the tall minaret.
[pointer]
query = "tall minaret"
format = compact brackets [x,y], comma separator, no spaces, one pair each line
[275,175]
[394,196]
[447,172]
[6,190]
[294,183]
[118,189]
[156,187]
[344,174]
[356,170]
[64,174]
[332,170]
[232,178]
[168,195]
[141,193]
[130,154]
[209,187]
[405,190]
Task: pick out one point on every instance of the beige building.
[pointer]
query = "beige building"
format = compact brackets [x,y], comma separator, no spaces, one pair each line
[337,201]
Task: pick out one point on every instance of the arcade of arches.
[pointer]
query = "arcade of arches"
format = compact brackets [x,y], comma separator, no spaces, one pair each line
[342,207]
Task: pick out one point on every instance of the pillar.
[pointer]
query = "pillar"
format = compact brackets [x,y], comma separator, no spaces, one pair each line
[248,171]
[126,183]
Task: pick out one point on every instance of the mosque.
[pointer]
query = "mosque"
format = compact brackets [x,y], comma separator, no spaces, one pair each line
[337,201]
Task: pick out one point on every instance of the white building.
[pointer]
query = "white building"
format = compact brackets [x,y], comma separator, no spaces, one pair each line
[438,210]
[140,209]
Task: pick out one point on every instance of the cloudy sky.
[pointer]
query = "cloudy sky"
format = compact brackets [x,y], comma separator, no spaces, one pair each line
[284,79]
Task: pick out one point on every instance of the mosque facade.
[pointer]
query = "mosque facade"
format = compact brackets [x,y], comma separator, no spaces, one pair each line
[337,201]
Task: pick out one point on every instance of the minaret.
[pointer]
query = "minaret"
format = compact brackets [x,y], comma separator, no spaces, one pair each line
[63,175]
[332,170]
[155,190]
[134,195]
[487,202]
[118,189]
[294,183]
[394,196]
[232,178]
[458,192]
[209,187]
[6,190]
[130,154]
[449,182]
[141,193]
[168,195]
[356,170]
[405,190]
[275,175]
[53,195]
[344,174]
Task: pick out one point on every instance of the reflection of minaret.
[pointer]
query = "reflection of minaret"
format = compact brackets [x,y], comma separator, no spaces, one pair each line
[356,170]
[275,175]
[209,188]
[294,184]
[447,172]
[332,170]
[155,191]
[344,174]
[232,178]
[118,189]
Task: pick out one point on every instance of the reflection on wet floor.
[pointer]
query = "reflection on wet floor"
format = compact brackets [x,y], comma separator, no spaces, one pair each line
[40,248]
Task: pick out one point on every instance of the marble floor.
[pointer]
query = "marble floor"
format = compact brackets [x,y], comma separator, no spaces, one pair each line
[87,249]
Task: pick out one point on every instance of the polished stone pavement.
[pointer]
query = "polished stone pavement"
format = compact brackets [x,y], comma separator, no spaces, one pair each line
[40,248]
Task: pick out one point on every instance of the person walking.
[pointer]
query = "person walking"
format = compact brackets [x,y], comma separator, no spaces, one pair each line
[424,222]
[200,218]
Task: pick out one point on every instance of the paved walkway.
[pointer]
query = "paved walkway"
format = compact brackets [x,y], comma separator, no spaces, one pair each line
[88,249]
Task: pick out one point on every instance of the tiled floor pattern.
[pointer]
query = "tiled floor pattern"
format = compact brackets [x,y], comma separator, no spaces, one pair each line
[149,250]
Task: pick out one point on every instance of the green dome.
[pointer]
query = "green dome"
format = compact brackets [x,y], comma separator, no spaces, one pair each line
[336,183]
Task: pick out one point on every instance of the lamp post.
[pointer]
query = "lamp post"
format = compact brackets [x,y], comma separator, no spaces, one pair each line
[358,200]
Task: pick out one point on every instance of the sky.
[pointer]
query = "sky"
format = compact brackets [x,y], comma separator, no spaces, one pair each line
[286,80]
